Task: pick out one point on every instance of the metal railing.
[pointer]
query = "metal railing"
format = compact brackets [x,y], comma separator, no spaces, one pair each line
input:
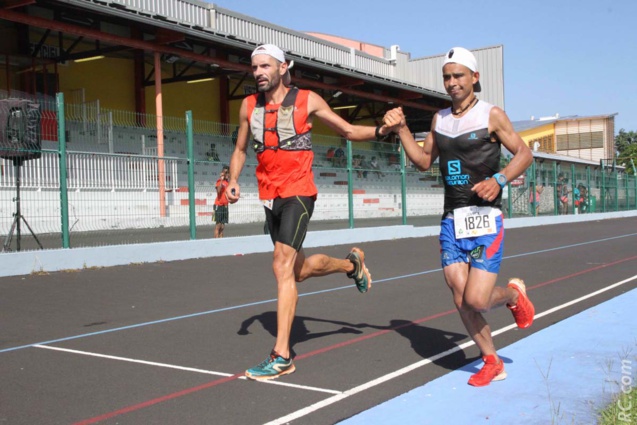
[84,198]
[91,171]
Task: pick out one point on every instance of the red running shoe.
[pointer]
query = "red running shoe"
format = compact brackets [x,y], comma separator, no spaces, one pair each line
[523,311]
[493,370]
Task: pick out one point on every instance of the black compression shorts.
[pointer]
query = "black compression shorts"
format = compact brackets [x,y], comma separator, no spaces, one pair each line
[288,220]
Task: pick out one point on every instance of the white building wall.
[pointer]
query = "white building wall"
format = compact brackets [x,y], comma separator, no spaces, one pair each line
[597,125]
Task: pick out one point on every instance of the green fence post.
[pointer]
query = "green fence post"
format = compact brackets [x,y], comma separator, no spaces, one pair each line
[64,196]
[602,189]
[635,184]
[573,187]
[633,179]
[191,176]
[532,188]
[350,185]
[616,188]
[556,195]
[534,179]
[588,189]
[403,185]
[627,207]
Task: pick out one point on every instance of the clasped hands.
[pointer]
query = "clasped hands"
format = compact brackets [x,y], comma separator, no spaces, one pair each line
[393,121]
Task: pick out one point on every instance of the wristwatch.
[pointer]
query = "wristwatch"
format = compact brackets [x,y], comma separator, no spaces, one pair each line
[501,179]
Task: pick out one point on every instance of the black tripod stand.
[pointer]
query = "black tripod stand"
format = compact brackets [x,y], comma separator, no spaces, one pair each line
[17,216]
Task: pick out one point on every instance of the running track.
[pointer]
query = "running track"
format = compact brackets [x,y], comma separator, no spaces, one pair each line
[167,343]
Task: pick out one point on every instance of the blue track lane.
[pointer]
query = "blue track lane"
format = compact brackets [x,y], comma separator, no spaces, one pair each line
[564,374]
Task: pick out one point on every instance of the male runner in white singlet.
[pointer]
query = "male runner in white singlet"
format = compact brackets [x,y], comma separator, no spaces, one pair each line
[467,139]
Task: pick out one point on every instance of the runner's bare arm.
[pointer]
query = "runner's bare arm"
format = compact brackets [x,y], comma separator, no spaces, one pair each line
[318,107]
[422,156]
[522,156]
[238,158]
[501,127]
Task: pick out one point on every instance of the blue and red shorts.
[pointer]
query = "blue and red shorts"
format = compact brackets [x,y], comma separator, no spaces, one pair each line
[482,252]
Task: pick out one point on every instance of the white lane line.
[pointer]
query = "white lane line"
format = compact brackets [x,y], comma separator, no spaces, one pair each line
[301,387]
[366,386]
[125,359]
[182,368]
[307,294]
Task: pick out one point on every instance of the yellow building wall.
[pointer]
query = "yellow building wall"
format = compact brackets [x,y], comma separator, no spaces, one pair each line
[177,98]
[544,134]
[110,80]
[235,107]
[535,133]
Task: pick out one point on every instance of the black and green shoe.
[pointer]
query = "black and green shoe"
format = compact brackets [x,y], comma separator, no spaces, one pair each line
[360,274]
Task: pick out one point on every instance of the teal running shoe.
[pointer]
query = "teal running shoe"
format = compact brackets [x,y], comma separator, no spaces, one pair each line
[271,368]
[360,274]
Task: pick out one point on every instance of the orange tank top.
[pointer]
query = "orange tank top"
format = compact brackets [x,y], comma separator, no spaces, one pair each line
[282,173]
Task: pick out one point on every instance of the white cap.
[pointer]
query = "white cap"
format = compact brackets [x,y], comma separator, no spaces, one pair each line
[462,56]
[276,53]
[270,50]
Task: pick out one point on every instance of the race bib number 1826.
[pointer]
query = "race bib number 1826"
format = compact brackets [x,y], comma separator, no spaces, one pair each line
[475,221]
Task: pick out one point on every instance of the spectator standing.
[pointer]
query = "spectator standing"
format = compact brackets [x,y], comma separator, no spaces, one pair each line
[583,198]
[562,193]
[221,203]
[576,200]
[534,198]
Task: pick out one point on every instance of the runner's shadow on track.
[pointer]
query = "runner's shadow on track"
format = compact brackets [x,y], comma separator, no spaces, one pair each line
[428,342]
[425,341]
[300,332]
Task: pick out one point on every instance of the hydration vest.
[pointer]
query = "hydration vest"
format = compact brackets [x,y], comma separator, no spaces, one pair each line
[289,139]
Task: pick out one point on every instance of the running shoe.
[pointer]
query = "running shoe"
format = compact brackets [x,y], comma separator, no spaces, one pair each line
[493,370]
[523,311]
[272,367]
[360,274]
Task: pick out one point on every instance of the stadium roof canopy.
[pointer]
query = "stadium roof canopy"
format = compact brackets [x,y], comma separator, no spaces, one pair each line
[216,41]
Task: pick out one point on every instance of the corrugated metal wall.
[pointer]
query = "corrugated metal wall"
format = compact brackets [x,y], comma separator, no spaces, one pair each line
[193,13]
[247,28]
[422,73]
[427,72]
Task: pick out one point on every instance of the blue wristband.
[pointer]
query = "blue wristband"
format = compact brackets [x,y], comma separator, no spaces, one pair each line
[501,179]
